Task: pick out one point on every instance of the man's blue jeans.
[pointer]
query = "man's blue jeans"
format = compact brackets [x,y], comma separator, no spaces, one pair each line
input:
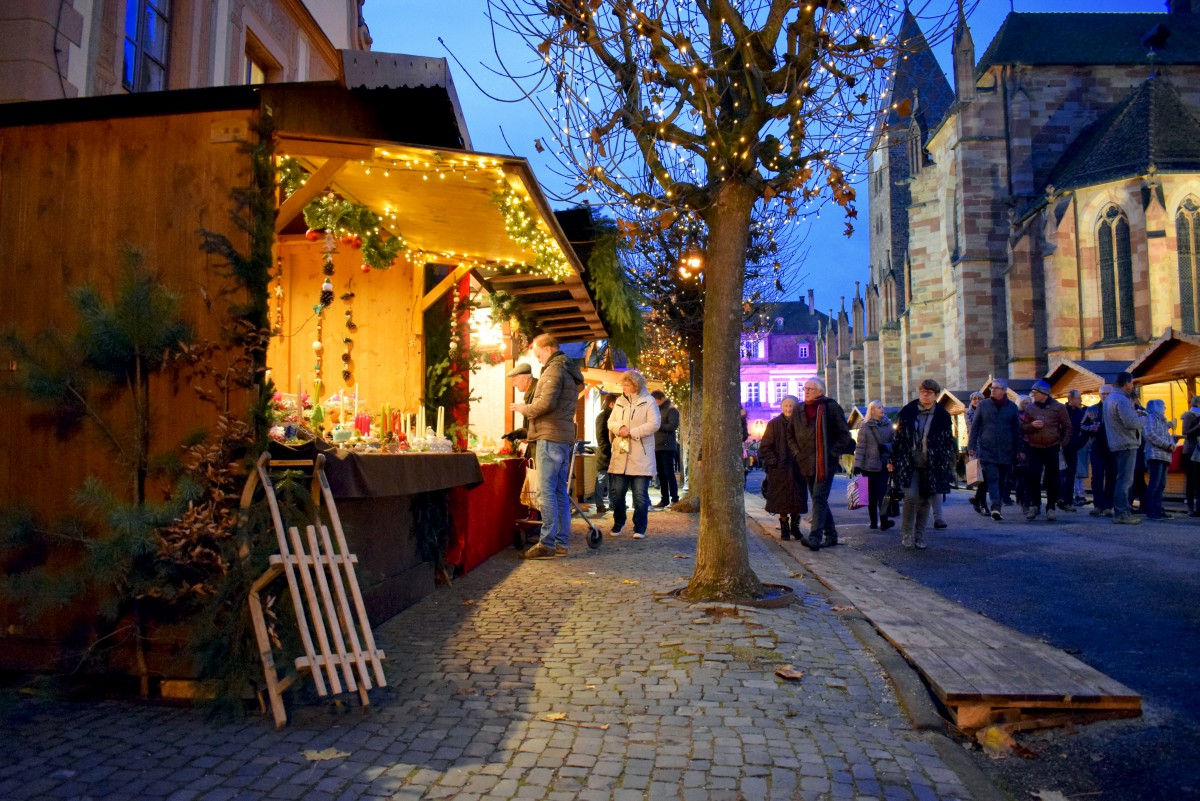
[618,483]
[553,467]
[996,477]
[1125,461]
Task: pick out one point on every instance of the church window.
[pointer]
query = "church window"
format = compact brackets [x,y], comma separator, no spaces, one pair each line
[1187,234]
[147,28]
[802,351]
[1116,274]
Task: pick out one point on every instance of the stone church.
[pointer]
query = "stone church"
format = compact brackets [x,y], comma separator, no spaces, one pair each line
[1047,207]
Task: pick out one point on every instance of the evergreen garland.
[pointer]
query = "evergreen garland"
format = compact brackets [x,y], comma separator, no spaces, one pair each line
[339,216]
[507,309]
[619,301]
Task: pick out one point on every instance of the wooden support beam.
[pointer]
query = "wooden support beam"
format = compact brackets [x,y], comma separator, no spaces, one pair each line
[515,278]
[322,149]
[315,185]
[540,289]
[551,305]
[443,286]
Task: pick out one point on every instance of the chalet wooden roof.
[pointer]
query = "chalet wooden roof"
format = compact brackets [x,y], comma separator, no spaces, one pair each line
[1175,356]
[1085,375]
[442,202]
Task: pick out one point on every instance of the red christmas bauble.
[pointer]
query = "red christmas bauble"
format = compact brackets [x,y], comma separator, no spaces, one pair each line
[312,235]
[366,268]
[347,239]
[356,242]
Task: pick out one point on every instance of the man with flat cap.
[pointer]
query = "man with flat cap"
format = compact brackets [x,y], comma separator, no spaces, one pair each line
[525,383]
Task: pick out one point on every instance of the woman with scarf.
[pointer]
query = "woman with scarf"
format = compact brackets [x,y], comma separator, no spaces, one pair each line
[924,453]
[784,488]
[633,421]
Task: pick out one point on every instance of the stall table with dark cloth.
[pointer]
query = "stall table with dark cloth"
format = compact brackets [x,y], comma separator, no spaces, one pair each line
[484,515]
[374,495]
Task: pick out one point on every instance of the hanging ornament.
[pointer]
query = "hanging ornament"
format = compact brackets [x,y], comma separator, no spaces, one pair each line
[277,327]
[312,235]
[366,268]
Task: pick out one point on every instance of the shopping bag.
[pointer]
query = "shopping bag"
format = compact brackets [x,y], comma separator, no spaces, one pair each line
[864,493]
[853,501]
[974,473]
[529,490]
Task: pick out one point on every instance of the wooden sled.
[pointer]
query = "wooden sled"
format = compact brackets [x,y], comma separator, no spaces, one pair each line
[339,647]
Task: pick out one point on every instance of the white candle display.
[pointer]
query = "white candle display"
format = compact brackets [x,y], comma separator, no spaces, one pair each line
[441,420]
[421,421]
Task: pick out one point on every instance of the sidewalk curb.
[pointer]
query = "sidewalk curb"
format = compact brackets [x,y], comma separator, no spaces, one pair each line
[911,692]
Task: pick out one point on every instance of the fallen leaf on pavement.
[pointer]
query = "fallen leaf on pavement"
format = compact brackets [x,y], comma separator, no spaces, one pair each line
[789,672]
[469,602]
[682,556]
[561,717]
[630,581]
[701,621]
[796,575]
[997,743]
[554,716]
[842,608]
[324,754]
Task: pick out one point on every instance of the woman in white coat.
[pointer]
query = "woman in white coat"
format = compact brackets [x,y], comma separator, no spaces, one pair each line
[632,424]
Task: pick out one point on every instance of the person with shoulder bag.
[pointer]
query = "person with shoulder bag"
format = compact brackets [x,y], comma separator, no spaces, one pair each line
[873,458]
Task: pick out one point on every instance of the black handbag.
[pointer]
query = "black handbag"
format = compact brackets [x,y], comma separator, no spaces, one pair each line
[894,495]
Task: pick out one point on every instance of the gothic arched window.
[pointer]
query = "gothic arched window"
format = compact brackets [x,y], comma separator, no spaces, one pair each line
[1116,274]
[1187,236]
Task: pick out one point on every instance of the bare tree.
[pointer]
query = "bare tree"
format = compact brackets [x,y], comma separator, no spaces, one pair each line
[710,107]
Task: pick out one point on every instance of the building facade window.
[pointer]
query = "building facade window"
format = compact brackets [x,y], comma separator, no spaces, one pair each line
[753,393]
[753,349]
[803,351]
[1116,274]
[147,28]
[1187,236]
[781,389]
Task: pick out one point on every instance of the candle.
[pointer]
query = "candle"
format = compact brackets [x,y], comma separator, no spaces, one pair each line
[421,421]
[356,400]
[383,420]
[299,387]
[441,420]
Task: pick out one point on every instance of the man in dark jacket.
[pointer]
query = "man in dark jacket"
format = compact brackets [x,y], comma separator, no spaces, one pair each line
[995,434]
[1101,459]
[551,421]
[1071,449]
[665,446]
[603,450]
[1047,427]
[817,437]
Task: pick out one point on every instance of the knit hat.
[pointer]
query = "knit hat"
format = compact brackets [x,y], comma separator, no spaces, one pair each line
[1040,386]
[521,369]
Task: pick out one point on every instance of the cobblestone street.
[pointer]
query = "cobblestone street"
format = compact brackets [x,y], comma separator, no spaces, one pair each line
[657,699]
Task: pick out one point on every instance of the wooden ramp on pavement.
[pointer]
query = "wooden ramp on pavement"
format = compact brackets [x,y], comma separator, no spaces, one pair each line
[984,673]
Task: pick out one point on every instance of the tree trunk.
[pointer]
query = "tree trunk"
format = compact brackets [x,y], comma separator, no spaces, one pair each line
[689,412]
[723,570]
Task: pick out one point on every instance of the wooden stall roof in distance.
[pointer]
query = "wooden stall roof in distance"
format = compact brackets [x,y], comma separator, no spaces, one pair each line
[1175,356]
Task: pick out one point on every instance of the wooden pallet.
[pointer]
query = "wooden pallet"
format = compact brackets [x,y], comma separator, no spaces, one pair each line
[339,646]
[982,672]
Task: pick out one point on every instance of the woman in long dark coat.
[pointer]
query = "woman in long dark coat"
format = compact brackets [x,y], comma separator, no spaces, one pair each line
[786,490]
[923,455]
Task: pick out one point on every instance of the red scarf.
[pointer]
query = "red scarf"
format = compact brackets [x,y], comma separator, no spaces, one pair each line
[812,410]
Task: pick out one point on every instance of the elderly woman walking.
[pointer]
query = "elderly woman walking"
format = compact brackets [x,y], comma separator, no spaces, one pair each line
[924,453]
[873,457]
[784,488]
[633,421]
[1158,446]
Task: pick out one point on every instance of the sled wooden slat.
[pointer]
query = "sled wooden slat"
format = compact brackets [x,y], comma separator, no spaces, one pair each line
[339,646]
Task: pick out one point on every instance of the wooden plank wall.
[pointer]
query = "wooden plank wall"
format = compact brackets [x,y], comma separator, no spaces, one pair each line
[388,353]
[73,195]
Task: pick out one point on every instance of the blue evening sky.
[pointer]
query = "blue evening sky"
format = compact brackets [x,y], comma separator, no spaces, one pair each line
[413,27]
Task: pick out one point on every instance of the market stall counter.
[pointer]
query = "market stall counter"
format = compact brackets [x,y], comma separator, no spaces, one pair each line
[376,495]
[485,515]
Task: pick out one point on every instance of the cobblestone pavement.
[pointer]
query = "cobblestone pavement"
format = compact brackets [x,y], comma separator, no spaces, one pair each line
[658,700]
